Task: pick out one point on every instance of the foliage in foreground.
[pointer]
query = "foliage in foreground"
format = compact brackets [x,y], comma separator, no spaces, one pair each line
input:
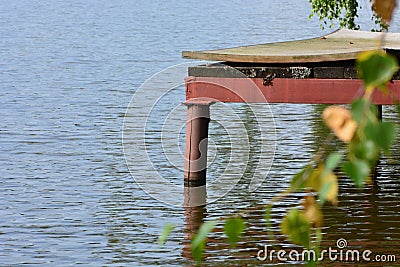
[346,12]
[365,135]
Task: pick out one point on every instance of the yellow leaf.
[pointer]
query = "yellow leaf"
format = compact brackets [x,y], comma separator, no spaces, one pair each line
[325,183]
[384,9]
[340,121]
[329,188]
[312,211]
[346,132]
[314,180]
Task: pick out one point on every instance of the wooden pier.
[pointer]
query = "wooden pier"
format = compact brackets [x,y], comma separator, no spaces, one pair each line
[313,71]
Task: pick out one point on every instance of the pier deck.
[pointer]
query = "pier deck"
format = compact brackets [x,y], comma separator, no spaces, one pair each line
[313,71]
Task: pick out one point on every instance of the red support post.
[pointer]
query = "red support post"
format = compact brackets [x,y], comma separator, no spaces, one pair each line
[198,118]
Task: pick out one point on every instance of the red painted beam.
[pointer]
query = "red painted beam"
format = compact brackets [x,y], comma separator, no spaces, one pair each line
[285,90]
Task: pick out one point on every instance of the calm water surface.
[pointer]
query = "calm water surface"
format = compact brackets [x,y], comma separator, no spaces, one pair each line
[68,70]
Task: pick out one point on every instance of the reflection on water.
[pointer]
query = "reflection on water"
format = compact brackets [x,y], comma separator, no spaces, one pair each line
[194,217]
[367,218]
[68,70]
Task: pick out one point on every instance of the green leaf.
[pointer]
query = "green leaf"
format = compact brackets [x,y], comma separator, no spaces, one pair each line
[376,68]
[199,240]
[233,229]
[381,133]
[366,150]
[332,161]
[165,233]
[358,170]
[296,226]
[388,133]
[358,108]
[299,180]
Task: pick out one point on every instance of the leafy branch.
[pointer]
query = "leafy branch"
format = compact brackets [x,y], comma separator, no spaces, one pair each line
[365,135]
[346,12]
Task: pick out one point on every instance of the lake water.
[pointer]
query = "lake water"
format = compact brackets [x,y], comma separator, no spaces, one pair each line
[68,70]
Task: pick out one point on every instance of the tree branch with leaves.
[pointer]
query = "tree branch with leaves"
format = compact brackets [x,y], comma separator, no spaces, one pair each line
[359,128]
[345,12]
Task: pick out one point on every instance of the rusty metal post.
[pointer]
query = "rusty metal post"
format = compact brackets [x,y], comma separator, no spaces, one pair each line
[198,118]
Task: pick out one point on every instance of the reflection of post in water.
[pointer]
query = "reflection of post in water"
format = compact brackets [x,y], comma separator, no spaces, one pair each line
[194,205]
[194,217]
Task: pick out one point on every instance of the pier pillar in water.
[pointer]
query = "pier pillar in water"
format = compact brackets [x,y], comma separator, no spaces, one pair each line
[198,118]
